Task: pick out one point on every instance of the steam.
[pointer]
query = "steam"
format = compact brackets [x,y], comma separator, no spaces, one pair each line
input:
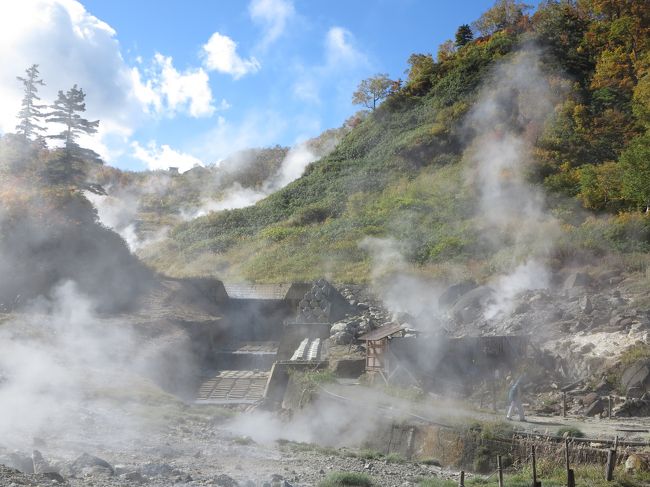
[400,289]
[120,215]
[511,211]
[236,196]
[68,374]
[222,186]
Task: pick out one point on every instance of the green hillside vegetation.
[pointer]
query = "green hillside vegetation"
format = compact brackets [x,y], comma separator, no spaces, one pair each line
[401,173]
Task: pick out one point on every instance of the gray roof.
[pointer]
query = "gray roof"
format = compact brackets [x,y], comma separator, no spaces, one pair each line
[257,291]
[382,332]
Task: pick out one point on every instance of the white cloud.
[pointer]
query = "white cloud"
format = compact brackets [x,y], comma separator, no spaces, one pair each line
[70,46]
[169,91]
[339,48]
[258,128]
[340,68]
[163,157]
[273,16]
[220,54]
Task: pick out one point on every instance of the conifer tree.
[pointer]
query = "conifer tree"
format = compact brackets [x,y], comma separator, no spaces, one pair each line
[66,108]
[30,113]
[69,167]
[464,35]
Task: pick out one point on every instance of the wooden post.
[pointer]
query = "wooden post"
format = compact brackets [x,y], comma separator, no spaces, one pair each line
[570,477]
[566,454]
[564,404]
[500,470]
[611,463]
[609,407]
[535,482]
[461,479]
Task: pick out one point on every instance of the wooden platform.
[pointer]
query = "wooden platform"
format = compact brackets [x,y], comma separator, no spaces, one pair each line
[233,387]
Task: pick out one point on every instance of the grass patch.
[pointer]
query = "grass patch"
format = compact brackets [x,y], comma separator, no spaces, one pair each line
[635,353]
[395,458]
[570,431]
[369,454]
[436,482]
[304,447]
[340,479]
[243,440]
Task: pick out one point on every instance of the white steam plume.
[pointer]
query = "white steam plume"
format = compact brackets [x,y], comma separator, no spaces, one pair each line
[511,210]
[66,374]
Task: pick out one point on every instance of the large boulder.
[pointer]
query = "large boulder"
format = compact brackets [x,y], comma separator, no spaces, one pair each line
[19,461]
[578,279]
[636,377]
[595,408]
[453,293]
[472,304]
[87,463]
[348,367]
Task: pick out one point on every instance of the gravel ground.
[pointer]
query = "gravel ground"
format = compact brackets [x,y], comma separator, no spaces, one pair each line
[190,447]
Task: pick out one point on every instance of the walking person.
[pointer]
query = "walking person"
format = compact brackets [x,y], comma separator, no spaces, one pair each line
[514,397]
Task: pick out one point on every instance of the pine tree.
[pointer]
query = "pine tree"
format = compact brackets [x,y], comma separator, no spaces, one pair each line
[30,112]
[464,35]
[65,111]
[69,167]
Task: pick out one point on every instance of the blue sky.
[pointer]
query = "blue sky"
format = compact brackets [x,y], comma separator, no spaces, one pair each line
[195,80]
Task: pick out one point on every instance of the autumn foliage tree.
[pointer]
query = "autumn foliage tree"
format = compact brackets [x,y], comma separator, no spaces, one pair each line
[372,91]
[504,13]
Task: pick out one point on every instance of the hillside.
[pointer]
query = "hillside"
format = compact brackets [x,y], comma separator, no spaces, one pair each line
[527,146]
[50,235]
[143,206]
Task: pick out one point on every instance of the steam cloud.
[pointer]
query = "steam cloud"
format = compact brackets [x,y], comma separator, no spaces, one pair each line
[67,374]
[511,210]
[511,214]
[119,211]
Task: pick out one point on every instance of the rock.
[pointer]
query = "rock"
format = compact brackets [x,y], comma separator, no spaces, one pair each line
[637,462]
[449,297]
[636,376]
[589,399]
[55,476]
[342,338]
[587,347]
[156,469]
[19,461]
[586,306]
[349,367]
[134,477]
[224,480]
[472,304]
[633,407]
[635,393]
[595,408]
[40,464]
[521,308]
[87,461]
[578,279]
[338,328]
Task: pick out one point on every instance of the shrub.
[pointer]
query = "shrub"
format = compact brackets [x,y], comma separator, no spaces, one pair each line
[340,479]
[570,431]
